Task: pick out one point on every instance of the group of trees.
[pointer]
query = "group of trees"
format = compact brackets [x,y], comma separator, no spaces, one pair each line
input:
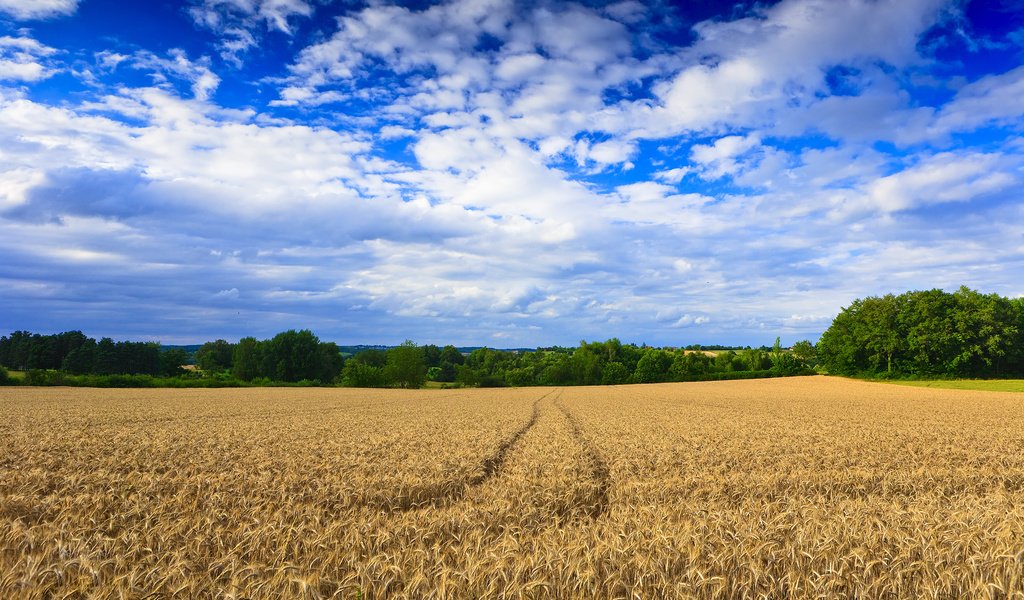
[73,352]
[290,356]
[921,334]
[927,333]
[300,357]
[591,363]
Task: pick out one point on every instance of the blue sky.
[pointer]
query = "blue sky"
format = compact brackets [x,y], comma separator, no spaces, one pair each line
[507,174]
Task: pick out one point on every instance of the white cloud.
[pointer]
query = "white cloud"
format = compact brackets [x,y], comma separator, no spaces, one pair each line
[476,188]
[720,159]
[991,99]
[38,9]
[239,22]
[612,152]
[24,59]
[748,71]
[176,65]
[943,178]
[15,183]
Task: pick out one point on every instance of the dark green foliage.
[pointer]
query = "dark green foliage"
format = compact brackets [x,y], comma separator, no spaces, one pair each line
[172,361]
[246,358]
[431,356]
[5,377]
[448,362]
[926,334]
[81,360]
[289,357]
[215,356]
[365,369]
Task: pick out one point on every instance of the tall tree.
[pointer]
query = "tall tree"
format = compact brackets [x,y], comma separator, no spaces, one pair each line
[246,359]
[406,366]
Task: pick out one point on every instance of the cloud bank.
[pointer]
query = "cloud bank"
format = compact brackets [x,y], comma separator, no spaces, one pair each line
[486,172]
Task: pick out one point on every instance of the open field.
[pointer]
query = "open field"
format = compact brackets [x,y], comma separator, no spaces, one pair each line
[783,488]
[990,385]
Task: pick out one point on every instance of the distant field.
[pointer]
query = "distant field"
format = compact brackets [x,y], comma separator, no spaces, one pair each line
[782,488]
[991,385]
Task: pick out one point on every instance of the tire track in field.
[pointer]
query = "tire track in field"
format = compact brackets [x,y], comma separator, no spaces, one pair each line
[445,492]
[597,505]
[492,463]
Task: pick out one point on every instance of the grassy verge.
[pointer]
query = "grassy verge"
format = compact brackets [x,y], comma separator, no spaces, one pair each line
[989,385]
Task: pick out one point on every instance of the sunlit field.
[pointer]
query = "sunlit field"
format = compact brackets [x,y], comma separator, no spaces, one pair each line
[991,385]
[784,488]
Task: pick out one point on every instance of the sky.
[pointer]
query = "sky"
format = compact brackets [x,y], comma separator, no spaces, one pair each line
[508,174]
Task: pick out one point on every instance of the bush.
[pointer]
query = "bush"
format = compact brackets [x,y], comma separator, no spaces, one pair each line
[5,377]
[492,381]
[35,377]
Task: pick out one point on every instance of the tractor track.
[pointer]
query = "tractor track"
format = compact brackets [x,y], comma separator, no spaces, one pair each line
[447,492]
[599,471]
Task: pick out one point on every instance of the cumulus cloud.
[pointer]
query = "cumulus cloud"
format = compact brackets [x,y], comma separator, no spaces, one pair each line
[24,59]
[751,71]
[539,172]
[38,9]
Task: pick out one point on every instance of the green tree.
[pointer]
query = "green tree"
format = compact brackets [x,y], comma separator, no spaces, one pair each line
[431,355]
[688,366]
[587,366]
[330,362]
[924,333]
[556,369]
[360,374]
[653,366]
[805,352]
[299,355]
[106,361]
[172,362]
[81,360]
[406,366]
[215,356]
[246,359]
[614,373]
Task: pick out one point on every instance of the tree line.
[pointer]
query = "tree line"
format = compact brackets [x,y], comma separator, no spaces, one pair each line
[929,333]
[73,352]
[299,357]
[289,357]
[591,363]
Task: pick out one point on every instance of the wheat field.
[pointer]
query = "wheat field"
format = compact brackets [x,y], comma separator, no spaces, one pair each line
[788,488]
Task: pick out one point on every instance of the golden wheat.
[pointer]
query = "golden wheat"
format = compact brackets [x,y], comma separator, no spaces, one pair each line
[795,488]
